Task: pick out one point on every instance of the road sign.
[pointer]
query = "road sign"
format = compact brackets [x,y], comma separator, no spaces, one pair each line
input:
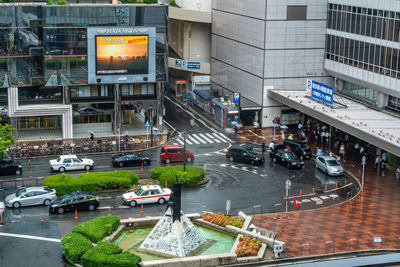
[288,184]
[147,124]
[274,122]
[228,206]
[236,97]
[363,160]
[319,91]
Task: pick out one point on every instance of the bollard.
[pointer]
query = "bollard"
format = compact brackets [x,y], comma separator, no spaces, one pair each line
[336,186]
[326,188]
[30,174]
[109,211]
[142,166]
[294,200]
[41,217]
[313,192]
[76,214]
[141,208]
[301,191]
[1,218]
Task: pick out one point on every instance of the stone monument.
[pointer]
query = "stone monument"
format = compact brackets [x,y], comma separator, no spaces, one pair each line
[174,234]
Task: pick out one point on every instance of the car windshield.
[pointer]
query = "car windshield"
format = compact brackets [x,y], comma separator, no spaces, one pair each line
[250,150]
[20,192]
[332,162]
[139,191]
[304,146]
[59,159]
[79,158]
[65,198]
[288,154]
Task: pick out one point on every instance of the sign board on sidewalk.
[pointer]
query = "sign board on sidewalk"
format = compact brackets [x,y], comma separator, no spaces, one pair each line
[319,91]
[236,98]
[147,124]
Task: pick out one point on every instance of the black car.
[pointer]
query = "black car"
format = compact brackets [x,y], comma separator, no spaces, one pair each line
[74,201]
[130,159]
[301,149]
[286,157]
[9,166]
[244,153]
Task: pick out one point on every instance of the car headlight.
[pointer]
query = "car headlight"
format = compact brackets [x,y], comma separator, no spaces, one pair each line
[19,166]
[304,153]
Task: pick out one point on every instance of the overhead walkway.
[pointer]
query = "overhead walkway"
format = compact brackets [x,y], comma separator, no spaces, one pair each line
[377,128]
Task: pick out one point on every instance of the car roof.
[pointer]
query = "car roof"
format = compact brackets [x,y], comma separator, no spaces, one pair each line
[144,187]
[77,193]
[35,188]
[172,146]
[327,157]
[68,156]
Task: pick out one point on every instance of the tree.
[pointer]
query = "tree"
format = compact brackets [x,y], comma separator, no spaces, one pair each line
[6,137]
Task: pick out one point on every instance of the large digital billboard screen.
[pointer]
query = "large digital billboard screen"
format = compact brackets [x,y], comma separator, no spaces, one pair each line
[122,55]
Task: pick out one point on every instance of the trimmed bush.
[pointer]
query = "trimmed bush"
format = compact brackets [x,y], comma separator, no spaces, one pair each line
[247,246]
[92,182]
[106,254]
[98,228]
[172,174]
[222,220]
[74,246]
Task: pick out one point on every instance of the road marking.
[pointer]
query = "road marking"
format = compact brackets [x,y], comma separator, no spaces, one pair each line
[206,138]
[103,208]
[198,138]
[213,138]
[31,237]
[219,137]
[225,137]
[193,140]
[180,141]
[104,197]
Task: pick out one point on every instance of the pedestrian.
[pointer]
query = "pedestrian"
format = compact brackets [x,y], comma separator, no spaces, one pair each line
[346,140]
[316,135]
[263,146]
[192,123]
[376,164]
[283,135]
[327,138]
[383,168]
[91,137]
[341,151]
[235,130]
[255,125]
[290,136]
[384,157]
[271,145]
[168,136]
[322,138]
[398,175]
[299,128]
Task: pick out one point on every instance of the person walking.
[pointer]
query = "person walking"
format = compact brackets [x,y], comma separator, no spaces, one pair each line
[263,148]
[255,125]
[91,137]
[398,175]
[341,151]
[271,145]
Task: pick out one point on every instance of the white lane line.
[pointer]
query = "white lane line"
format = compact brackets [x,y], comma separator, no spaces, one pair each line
[199,138]
[180,141]
[219,137]
[206,138]
[31,237]
[188,142]
[193,140]
[104,198]
[225,137]
[216,140]
[103,208]
[175,144]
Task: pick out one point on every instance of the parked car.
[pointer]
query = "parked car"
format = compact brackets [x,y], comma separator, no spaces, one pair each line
[74,201]
[301,149]
[147,194]
[329,165]
[9,166]
[36,195]
[70,162]
[130,159]
[244,153]
[286,157]
[172,153]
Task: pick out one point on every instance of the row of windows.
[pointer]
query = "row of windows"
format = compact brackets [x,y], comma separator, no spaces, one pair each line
[360,92]
[394,103]
[376,58]
[367,22]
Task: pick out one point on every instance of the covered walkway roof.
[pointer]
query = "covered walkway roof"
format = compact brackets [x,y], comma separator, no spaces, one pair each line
[377,128]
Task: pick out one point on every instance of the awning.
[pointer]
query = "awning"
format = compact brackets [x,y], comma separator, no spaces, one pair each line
[246,104]
[202,94]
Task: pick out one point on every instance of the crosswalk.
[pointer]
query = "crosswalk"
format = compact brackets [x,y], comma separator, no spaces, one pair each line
[203,139]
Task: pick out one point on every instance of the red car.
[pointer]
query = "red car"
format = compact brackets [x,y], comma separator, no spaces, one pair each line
[171,153]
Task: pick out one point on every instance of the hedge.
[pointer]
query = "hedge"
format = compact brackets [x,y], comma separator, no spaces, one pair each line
[222,220]
[98,228]
[75,246]
[106,254]
[92,182]
[172,174]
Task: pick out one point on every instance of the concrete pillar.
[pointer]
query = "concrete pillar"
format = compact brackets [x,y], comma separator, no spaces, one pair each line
[381,101]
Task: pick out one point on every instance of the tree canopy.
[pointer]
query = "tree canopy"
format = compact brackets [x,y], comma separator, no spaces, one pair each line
[6,137]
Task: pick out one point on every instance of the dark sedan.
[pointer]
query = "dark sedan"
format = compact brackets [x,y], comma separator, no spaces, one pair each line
[130,160]
[9,166]
[74,201]
[286,157]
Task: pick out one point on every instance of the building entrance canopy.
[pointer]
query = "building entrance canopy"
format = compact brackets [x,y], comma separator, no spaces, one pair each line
[377,128]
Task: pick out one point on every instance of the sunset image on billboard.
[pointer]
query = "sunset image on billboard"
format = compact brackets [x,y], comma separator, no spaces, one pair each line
[122,55]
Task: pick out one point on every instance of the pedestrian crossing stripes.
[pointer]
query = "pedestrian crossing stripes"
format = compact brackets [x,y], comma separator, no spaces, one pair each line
[203,139]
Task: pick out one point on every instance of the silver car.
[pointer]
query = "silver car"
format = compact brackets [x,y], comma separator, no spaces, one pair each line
[329,165]
[38,195]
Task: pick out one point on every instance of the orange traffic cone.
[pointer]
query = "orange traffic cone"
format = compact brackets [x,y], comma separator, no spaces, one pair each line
[313,192]
[166,184]
[109,211]
[142,166]
[41,218]
[87,170]
[326,188]
[134,189]
[76,214]
[345,183]
[297,204]
[1,218]
[301,191]
[294,200]
[141,208]
[30,174]
[336,186]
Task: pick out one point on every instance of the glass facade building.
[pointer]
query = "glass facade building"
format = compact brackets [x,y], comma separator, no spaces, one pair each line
[44,55]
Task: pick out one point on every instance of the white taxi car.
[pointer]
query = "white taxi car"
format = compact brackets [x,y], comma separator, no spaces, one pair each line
[70,162]
[147,194]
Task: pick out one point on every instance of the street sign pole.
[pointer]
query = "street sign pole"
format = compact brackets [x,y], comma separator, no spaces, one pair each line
[288,184]
[119,137]
[274,122]
[363,162]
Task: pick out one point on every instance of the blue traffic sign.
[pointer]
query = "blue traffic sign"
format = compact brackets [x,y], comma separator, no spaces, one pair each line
[274,121]
[147,124]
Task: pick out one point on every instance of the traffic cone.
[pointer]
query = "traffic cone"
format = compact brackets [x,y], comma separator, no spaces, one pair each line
[326,188]
[294,200]
[41,217]
[298,204]
[313,192]
[76,214]
[345,182]
[142,166]
[301,191]
[1,218]
[166,184]
[141,208]
[109,211]
[30,174]
[134,189]
[336,186]
[87,170]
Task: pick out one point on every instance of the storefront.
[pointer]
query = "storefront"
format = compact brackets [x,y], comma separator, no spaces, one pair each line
[39,122]
[178,87]
[224,113]
[249,112]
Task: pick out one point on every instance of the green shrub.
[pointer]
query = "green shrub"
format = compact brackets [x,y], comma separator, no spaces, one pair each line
[98,228]
[74,246]
[106,254]
[62,2]
[92,182]
[193,175]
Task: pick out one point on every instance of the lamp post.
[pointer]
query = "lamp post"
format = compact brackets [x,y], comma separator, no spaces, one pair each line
[363,162]
[184,151]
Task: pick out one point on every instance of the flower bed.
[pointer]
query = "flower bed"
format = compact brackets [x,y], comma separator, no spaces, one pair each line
[247,247]
[92,182]
[222,220]
[172,174]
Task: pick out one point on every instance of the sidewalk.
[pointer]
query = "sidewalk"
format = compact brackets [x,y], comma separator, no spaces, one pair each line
[349,226]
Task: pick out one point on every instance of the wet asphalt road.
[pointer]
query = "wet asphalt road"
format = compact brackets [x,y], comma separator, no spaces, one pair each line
[248,187]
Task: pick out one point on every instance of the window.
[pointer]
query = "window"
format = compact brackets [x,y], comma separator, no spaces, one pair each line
[67,161]
[296,12]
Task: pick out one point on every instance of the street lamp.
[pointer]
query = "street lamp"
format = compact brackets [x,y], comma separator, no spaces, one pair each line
[184,151]
[363,162]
